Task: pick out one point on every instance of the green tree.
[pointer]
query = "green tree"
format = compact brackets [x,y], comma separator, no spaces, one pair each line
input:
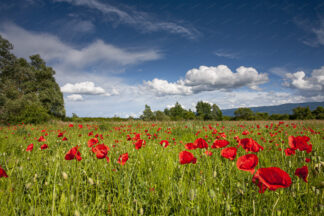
[203,110]
[244,114]
[318,113]
[261,116]
[25,86]
[161,116]
[302,113]
[147,115]
[177,112]
[189,115]
[216,113]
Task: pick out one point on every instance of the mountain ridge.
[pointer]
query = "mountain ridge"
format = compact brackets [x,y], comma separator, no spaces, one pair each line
[276,109]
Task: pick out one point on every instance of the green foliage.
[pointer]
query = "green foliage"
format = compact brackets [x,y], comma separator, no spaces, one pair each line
[261,116]
[302,113]
[244,114]
[161,116]
[216,113]
[177,112]
[27,88]
[148,115]
[318,113]
[203,110]
[279,117]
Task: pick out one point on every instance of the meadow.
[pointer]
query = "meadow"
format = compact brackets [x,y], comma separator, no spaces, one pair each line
[141,168]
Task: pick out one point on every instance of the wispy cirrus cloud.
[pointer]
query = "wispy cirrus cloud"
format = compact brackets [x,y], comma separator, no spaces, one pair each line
[137,19]
[226,54]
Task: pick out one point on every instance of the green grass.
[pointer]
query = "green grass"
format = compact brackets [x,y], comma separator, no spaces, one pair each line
[153,182]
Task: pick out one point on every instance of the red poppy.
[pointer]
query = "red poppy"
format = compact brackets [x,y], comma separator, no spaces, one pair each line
[41,139]
[289,151]
[220,143]
[302,173]
[300,143]
[71,125]
[73,153]
[3,173]
[123,158]
[186,157]
[44,146]
[30,147]
[60,134]
[92,142]
[101,151]
[307,160]
[200,143]
[64,139]
[139,144]
[190,146]
[80,126]
[250,145]
[247,162]
[271,178]
[229,153]
[164,143]
[208,153]
[245,132]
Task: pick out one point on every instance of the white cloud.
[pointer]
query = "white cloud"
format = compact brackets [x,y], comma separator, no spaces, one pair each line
[208,79]
[75,97]
[52,49]
[134,18]
[313,85]
[87,88]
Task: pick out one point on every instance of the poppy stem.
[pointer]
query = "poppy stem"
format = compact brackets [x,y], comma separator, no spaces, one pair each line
[274,206]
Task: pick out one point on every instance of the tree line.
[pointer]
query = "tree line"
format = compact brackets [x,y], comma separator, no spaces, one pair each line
[206,111]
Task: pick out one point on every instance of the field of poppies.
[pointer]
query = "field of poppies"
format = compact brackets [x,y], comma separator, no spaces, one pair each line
[162,168]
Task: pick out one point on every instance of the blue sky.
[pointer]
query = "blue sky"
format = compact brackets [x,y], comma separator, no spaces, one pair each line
[113,57]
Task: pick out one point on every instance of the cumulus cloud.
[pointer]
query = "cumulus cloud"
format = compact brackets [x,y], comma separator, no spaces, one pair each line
[87,88]
[208,79]
[312,85]
[134,18]
[75,97]
[52,49]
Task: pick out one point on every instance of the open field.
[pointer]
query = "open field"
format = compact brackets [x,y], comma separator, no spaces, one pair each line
[95,180]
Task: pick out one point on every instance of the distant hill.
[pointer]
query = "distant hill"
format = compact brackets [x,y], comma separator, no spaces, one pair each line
[278,109]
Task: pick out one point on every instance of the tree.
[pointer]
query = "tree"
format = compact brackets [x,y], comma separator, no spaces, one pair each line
[216,113]
[302,113]
[261,116]
[161,116]
[148,115]
[189,115]
[25,86]
[318,113]
[177,112]
[244,114]
[203,110]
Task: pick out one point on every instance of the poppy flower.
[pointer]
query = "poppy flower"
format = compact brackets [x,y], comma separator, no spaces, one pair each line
[208,153]
[30,147]
[307,160]
[300,143]
[164,143]
[71,125]
[229,153]
[186,157]
[139,144]
[302,173]
[271,178]
[101,151]
[3,173]
[41,139]
[44,146]
[190,146]
[220,143]
[64,139]
[73,153]
[92,142]
[289,151]
[247,162]
[122,159]
[250,145]
[80,126]
[200,143]
[60,134]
